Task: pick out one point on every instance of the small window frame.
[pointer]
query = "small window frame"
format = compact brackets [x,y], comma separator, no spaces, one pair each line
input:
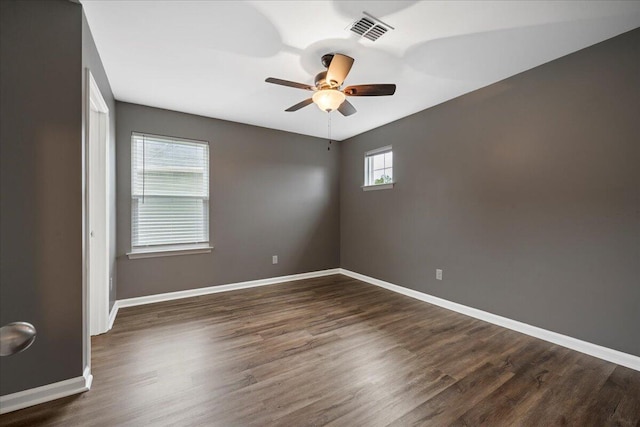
[368,165]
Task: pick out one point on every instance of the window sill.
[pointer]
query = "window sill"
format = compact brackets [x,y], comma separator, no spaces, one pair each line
[387,186]
[158,252]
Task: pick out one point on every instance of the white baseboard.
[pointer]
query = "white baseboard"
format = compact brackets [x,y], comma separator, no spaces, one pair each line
[610,355]
[112,315]
[150,299]
[34,396]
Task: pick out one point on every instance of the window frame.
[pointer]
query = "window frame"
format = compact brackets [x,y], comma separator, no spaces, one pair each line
[368,161]
[170,249]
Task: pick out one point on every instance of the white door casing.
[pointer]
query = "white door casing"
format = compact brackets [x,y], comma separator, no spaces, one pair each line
[98,209]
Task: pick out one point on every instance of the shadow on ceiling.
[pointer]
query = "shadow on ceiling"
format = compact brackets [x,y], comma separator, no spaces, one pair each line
[495,55]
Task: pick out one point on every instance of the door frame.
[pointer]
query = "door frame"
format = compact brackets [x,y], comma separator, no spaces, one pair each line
[95,299]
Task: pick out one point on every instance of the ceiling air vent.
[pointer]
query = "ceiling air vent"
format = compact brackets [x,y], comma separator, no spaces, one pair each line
[370,27]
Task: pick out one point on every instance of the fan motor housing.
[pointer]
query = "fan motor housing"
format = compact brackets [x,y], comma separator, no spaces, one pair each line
[321,80]
[326,59]
[322,83]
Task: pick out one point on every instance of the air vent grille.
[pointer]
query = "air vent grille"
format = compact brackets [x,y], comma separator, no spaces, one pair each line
[374,33]
[362,26]
[370,28]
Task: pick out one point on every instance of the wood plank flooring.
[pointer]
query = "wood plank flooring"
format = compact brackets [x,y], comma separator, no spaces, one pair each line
[333,351]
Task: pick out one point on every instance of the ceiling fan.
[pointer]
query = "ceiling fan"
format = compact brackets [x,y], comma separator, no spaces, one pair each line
[328,96]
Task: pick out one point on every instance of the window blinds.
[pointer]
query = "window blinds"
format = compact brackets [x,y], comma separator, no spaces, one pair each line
[169,191]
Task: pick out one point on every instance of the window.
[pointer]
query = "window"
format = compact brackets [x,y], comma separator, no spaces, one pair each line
[169,195]
[378,168]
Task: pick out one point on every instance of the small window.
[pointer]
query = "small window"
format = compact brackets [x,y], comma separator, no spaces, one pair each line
[378,167]
[169,194]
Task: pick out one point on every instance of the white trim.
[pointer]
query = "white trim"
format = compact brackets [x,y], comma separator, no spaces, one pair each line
[387,186]
[97,214]
[150,299]
[379,150]
[88,379]
[154,253]
[169,138]
[113,314]
[86,333]
[608,354]
[34,396]
[95,96]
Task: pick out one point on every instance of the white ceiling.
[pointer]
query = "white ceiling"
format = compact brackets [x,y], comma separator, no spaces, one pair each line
[211,58]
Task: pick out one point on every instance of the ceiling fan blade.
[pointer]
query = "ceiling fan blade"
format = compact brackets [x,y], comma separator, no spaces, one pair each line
[339,68]
[346,108]
[300,105]
[370,90]
[289,83]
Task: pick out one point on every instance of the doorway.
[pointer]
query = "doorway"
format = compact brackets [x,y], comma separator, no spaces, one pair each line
[97,174]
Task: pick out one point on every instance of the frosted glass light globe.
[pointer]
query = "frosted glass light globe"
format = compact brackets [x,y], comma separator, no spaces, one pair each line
[328,99]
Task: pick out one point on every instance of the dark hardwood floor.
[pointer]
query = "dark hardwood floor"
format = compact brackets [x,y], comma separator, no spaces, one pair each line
[333,351]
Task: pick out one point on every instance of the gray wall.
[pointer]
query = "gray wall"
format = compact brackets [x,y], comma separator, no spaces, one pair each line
[526,193]
[272,193]
[91,59]
[41,188]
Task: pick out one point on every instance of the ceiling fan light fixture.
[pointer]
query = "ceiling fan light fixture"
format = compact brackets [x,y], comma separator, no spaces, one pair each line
[328,99]
[327,94]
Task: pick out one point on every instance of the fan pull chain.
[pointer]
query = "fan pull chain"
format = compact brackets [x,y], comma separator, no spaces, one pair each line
[329,131]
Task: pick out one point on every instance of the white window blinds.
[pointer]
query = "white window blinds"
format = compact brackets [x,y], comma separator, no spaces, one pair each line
[169,192]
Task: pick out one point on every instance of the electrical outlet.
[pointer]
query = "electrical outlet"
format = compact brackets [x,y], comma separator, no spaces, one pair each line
[110,283]
[438,274]
[274,259]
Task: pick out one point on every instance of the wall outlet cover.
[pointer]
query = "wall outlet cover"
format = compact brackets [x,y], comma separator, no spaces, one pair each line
[438,274]
[274,259]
